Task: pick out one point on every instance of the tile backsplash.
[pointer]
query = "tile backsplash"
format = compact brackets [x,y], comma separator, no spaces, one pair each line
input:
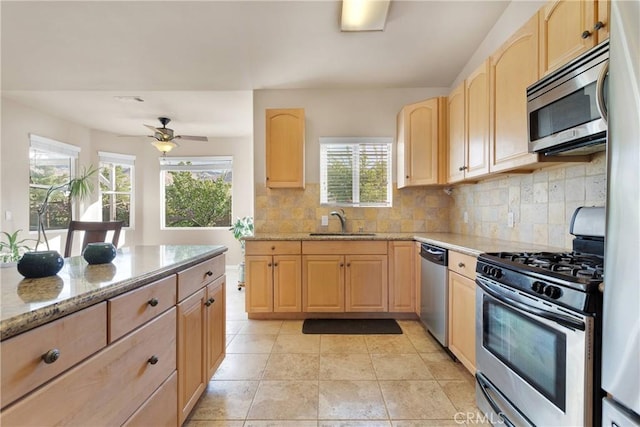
[415,210]
[542,203]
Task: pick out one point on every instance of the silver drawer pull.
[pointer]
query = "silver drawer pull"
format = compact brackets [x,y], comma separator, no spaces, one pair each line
[153,302]
[153,360]
[461,264]
[51,356]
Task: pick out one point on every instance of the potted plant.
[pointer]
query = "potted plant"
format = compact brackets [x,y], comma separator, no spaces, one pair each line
[241,228]
[11,250]
[36,263]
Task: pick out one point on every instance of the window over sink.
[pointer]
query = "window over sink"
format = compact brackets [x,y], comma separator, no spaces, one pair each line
[355,171]
[196,191]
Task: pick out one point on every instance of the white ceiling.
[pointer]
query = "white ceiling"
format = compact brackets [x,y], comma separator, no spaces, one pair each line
[198,61]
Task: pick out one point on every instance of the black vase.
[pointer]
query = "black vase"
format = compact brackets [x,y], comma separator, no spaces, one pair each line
[99,253]
[40,264]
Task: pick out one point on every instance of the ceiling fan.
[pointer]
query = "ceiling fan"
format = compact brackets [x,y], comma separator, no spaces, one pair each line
[165,137]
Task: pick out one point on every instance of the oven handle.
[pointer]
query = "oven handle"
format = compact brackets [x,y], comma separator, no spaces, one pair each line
[558,318]
[485,388]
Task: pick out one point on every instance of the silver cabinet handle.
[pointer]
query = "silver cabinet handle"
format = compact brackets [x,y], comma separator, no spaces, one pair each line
[461,264]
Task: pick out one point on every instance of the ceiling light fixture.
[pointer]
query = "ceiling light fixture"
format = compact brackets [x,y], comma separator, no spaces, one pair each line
[164,146]
[364,15]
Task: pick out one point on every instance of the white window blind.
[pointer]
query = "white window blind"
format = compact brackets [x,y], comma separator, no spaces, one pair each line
[355,171]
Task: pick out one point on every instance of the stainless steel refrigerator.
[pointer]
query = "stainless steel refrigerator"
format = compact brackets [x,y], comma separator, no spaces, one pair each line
[621,312]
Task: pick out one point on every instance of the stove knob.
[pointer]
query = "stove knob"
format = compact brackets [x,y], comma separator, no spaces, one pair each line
[538,287]
[486,269]
[497,273]
[553,292]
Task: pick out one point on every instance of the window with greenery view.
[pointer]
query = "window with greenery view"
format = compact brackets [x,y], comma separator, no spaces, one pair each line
[51,163]
[116,187]
[196,191]
[355,171]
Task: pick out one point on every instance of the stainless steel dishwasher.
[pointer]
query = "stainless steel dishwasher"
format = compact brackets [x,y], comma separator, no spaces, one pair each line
[434,291]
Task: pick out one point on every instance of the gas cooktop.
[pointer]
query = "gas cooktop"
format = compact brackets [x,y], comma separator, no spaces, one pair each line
[570,264]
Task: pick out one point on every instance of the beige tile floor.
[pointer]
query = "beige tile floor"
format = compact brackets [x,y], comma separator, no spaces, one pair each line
[274,375]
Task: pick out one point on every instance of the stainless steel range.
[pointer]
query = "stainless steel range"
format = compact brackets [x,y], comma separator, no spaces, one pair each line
[538,331]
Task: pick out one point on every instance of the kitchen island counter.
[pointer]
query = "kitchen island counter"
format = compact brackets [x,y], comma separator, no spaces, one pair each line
[28,303]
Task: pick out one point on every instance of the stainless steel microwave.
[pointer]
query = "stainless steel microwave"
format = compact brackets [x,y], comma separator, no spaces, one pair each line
[567,113]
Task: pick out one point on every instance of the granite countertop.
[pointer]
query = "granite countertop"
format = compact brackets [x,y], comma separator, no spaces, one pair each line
[470,245]
[27,303]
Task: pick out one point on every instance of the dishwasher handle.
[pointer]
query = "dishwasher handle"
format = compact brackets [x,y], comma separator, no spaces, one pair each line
[434,254]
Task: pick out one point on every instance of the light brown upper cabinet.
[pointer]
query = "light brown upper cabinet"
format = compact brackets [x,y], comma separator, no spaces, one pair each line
[513,67]
[285,148]
[422,143]
[569,28]
[457,132]
[476,90]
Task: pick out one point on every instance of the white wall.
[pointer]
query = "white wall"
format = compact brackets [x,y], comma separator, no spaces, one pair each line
[18,121]
[337,112]
[514,16]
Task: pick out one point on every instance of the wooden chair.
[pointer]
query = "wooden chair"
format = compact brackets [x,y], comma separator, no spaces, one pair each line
[94,231]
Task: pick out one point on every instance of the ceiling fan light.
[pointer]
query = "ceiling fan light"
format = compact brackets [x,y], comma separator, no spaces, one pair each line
[364,15]
[164,146]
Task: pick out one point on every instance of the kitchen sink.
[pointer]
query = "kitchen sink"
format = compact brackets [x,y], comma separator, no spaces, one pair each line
[342,234]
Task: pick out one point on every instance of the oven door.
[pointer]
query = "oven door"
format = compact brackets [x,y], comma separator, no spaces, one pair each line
[534,360]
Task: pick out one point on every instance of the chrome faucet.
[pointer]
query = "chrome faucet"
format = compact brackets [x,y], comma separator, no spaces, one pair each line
[343,219]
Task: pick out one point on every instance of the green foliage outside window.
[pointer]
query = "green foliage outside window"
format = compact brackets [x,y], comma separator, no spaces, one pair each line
[115,189]
[43,176]
[197,199]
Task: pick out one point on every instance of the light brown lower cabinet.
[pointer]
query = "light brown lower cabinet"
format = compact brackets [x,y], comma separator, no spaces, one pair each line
[191,352]
[201,337]
[462,309]
[345,283]
[160,410]
[107,388]
[274,277]
[138,359]
[402,277]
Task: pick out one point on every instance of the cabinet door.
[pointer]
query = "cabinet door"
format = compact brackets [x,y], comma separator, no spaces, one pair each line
[285,148]
[287,283]
[323,283]
[602,19]
[457,140]
[192,374]
[216,325]
[259,283]
[462,319]
[566,31]
[513,67]
[402,279]
[419,139]
[366,283]
[477,122]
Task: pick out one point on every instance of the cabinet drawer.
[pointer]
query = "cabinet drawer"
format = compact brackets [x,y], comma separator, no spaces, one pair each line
[196,277]
[75,337]
[272,247]
[107,388]
[130,310]
[463,264]
[360,247]
[160,409]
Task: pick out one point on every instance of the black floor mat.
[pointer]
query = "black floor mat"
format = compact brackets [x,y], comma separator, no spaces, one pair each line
[351,326]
